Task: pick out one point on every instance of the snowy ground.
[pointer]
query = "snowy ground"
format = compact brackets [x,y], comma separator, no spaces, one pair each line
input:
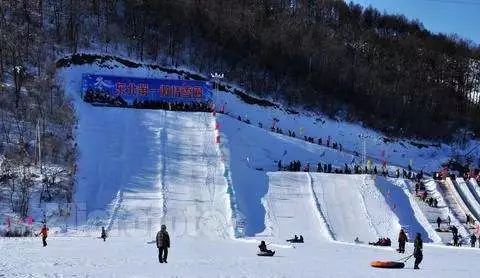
[195,257]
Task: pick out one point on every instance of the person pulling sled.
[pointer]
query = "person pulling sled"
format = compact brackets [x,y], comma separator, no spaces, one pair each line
[418,251]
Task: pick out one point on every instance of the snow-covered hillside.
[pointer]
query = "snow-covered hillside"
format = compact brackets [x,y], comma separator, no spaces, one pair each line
[139,169]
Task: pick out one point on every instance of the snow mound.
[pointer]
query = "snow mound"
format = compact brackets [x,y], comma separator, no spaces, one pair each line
[353,207]
[291,209]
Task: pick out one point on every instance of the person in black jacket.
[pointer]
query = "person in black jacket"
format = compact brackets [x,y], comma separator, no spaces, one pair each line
[104,234]
[163,243]
[402,239]
[418,250]
[263,248]
[473,240]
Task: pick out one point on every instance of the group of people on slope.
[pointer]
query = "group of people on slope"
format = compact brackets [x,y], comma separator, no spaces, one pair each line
[267,252]
[296,166]
[291,133]
[456,237]
[383,241]
[422,193]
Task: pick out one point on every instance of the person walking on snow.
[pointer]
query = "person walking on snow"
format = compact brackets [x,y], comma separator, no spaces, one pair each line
[418,250]
[455,240]
[44,234]
[439,221]
[402,238]
[454,230]
[163,243]
[473,240]
[104,234]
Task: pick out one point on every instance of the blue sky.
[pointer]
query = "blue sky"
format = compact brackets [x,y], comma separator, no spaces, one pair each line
[445,16]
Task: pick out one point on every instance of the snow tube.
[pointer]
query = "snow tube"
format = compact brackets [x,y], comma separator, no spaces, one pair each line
[266,254]
[387,264]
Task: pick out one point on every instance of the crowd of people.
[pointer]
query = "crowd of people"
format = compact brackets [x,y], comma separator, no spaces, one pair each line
[296,166]
[173,106]
[95,96]
[422,194]
[100,97]
[328,142]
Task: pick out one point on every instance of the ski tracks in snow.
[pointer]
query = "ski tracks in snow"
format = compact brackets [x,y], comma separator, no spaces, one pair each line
[328,232]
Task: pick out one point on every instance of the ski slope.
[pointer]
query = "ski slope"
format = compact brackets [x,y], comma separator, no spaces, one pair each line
[353,207]
[468,197]
[139,169]
[422,155]
[403,204]
[453,199]
[447,205]
[474,188]
[291,210]
[250,152]
[451,188]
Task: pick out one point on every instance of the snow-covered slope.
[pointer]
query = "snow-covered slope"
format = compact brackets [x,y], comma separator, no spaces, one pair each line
[352,136]
[447,204]
[474,188]
[250,152]
[451,187]
[291,210]
[468,197]
[403,204]
[353,207]
[141,168]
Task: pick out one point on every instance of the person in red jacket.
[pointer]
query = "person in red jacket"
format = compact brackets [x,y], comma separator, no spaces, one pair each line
[44,234]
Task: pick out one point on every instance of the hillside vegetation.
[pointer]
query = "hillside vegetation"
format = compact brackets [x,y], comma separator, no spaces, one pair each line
[329,56]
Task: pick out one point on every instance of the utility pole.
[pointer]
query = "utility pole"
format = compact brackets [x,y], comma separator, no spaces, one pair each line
[364,153]
[39,144]
[216,77]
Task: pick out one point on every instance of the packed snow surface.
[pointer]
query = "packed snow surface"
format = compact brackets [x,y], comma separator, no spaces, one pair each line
[132,256]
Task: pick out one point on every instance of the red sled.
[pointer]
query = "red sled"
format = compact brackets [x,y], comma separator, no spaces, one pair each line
[387,264]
